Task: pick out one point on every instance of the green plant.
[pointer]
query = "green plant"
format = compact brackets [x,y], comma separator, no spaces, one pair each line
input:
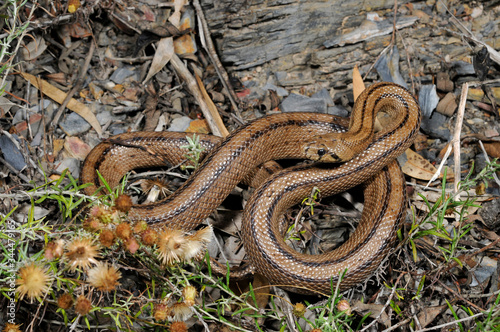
[446,205]
[329,317]
[492,319]
[194,151]
[312,200]
[10,11]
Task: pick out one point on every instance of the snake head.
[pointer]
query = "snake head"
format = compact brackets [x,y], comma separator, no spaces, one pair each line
[322,151]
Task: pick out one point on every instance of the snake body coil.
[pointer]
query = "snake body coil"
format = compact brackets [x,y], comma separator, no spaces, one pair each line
[287,135]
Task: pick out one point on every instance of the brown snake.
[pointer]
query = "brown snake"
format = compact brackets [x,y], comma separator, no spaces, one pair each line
[287,135]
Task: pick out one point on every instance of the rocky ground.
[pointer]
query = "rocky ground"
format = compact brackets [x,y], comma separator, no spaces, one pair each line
[82,72]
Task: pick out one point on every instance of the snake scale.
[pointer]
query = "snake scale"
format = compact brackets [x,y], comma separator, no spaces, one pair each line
[370,159]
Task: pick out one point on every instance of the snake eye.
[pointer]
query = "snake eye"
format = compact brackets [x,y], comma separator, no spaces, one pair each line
[321,152]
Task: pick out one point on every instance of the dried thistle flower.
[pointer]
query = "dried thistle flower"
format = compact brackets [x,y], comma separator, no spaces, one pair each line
[197,243]
[161,312]
[9,327]
[54,249]
[104,277]
[140,227]
[33,281]
[92,224]
[175,246]
[181,312]
[132,245]
[149,237]
[65,301]
[104,214]
[123,203]
[299,309]
[189,294]
[161,187]
[123,230]
[178,327]
[107,238]
[344,305]
[82,252]
[83,305]
[171,244]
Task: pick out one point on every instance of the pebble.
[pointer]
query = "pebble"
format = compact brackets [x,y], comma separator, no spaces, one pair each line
[22,114]
[485,270]
[121,74]
[73,124]
[388,68]
[11,153]
[179,124]
[325,95]
[281,92]
[462,68]
[338,110]
[300,103]
[447,105]
[428,99]
[434,126]
[72,164]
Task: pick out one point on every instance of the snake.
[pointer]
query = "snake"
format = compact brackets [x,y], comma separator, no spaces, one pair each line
[344,153]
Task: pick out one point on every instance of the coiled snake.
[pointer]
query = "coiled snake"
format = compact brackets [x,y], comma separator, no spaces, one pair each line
[370,159]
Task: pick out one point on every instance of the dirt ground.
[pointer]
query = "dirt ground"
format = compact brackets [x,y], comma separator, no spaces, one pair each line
[81,72]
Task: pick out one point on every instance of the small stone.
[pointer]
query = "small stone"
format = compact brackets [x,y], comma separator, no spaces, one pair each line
[443,82]
[337,110]
[428,99]
[325,95]
[447,105]
[434,126]
[95,90]
[491,132]
[76,147]
[186,44]
[72,165]
[281,92]
[11,153]
[177,104]
[484,271]
[123,73]
[179,124]
[462,68]
[73,124]
[387,67]
[300,103]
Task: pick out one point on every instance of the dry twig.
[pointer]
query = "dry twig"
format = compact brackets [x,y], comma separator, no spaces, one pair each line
[214,120]
[207,43]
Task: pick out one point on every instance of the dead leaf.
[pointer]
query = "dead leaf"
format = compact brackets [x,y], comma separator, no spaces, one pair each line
[57,146]
[374,310]
[492,149]
[357,83]
[76,148]
[57,95]
[162,56]
[262,290]
[34,49]
[198,126]
[428,314]
[214,112]
[165,49]
[418,167]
